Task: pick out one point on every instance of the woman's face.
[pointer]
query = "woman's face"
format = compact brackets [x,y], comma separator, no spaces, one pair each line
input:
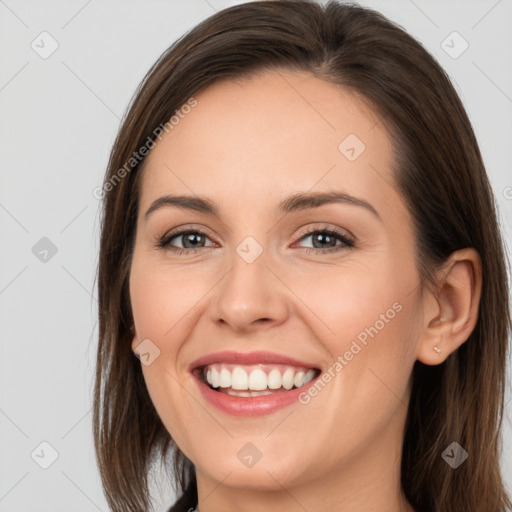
[264,277]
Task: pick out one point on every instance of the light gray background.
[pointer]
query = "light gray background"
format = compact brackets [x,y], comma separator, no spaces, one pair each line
[59,116]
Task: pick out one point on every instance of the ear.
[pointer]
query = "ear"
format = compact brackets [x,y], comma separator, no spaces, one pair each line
[451,310]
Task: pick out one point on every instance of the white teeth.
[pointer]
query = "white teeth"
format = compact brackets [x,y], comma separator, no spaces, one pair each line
[258,380]
[239,379]
[298,380]
[309,376]
[288,378]
[261,393]
[255,381]
[248,393]
[238,393]
[274,379]
[215,377]
[225,378]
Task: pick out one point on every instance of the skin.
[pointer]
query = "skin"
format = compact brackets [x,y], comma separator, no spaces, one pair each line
[247,146]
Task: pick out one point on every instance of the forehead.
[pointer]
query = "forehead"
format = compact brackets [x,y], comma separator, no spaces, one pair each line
[258,138]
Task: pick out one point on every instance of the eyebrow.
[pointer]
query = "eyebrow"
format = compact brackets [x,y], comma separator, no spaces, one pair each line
[296,202]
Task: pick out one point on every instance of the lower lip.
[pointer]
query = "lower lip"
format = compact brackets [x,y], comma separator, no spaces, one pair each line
[250,406]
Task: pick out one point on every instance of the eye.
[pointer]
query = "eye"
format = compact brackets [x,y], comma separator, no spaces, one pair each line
[191,240]
[329,237]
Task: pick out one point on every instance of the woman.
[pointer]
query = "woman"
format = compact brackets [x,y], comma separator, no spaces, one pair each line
[363,374]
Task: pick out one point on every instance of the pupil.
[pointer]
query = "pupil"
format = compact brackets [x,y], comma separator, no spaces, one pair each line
[323,238]
[190,237]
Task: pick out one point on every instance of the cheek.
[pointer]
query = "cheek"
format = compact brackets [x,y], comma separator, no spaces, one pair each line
[349,298]
[161,299]
[367,319]
[165,305]
[169,398]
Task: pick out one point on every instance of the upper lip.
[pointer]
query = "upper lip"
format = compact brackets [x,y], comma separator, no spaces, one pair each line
[248,358]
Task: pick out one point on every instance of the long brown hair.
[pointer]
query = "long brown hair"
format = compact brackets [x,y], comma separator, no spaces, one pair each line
[441,175]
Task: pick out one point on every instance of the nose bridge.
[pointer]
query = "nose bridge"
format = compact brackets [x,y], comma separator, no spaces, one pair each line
[249,292]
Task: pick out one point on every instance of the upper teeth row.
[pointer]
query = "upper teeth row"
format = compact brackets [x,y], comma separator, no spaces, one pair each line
[257,379]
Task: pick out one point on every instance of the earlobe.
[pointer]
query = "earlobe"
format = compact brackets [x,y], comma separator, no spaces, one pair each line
[432,350]
[453,313]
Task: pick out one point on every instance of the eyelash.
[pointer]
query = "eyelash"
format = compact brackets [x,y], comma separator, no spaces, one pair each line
[347,243]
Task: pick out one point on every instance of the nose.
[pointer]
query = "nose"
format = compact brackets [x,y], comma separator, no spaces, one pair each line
[250,295]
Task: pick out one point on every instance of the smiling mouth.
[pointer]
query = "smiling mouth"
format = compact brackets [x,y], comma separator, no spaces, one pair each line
[254,380]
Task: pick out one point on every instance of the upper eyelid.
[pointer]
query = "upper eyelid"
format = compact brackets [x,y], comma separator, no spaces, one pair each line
[308,230]
[183,230]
